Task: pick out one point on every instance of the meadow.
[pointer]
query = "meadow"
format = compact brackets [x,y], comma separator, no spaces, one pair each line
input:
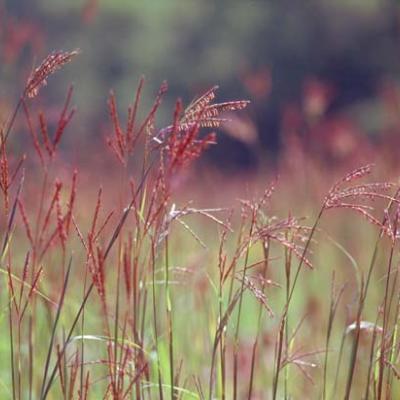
[133,277]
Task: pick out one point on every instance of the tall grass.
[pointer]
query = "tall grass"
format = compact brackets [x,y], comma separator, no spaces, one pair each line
[133,293]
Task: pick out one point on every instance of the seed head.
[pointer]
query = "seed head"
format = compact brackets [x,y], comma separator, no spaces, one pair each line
[53,62]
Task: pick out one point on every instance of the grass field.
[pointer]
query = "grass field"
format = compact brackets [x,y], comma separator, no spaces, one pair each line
[159,285]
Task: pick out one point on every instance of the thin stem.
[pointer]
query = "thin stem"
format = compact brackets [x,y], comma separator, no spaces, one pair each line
[12,120]
[289,298]
[236,341]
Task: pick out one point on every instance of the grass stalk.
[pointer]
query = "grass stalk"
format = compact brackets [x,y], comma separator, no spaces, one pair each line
[283,324]
[54,327]
[239,315]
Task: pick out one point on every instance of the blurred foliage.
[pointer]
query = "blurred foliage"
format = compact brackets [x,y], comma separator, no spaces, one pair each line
[350,44]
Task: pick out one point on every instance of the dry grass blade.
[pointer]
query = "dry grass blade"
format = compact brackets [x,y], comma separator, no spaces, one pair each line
[365,326]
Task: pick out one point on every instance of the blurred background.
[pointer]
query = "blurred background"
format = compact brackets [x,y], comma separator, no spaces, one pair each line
[322,75]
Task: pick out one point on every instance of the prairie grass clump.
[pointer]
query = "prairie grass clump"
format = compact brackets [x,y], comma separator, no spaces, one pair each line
[132,292]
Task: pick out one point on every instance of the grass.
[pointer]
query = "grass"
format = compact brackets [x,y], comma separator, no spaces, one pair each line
[136,293]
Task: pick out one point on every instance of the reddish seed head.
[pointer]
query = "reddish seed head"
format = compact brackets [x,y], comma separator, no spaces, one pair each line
[354,197]
[53,62]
